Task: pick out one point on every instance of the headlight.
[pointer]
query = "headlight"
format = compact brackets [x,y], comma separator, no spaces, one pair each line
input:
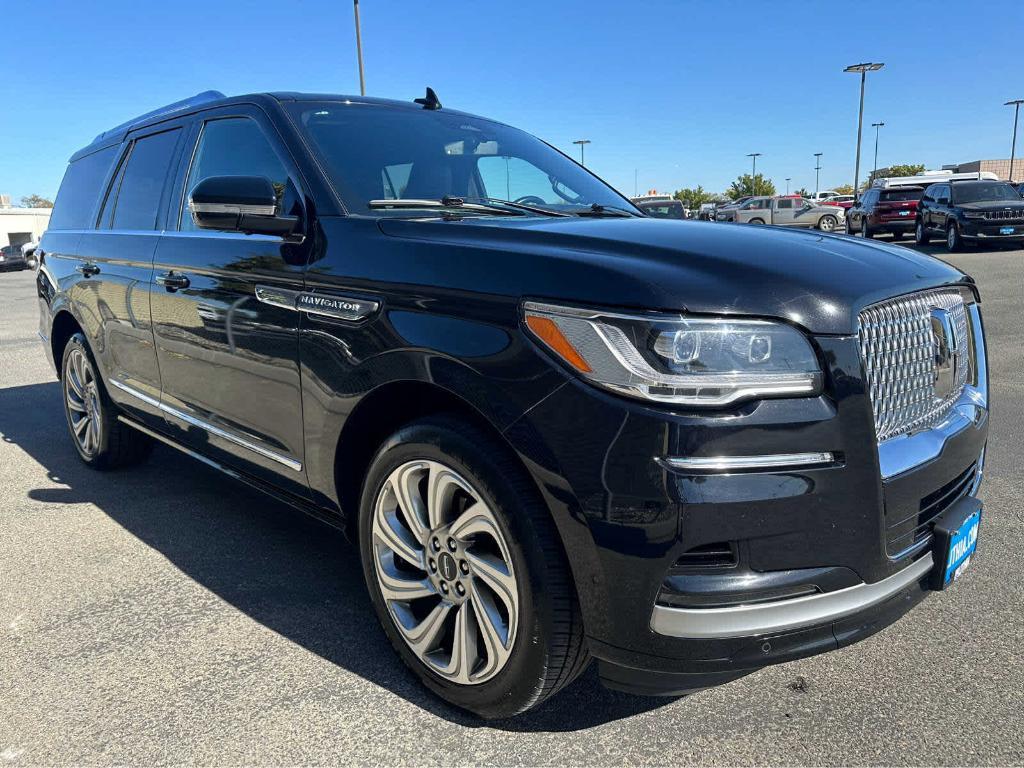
[676,359]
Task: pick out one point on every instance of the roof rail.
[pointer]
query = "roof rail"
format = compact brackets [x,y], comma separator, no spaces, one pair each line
[192,101]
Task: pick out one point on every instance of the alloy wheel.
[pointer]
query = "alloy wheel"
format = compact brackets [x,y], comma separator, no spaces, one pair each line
[445,572]
[827,223]
[81,393]
[951,237]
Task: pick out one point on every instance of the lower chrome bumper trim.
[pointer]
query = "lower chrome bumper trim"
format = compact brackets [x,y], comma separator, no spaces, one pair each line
[783,615]
[749,463]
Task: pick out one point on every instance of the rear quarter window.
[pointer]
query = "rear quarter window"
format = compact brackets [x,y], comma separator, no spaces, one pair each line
[81,189]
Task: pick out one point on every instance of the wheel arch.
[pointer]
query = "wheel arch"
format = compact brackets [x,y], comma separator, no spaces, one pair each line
[63,327]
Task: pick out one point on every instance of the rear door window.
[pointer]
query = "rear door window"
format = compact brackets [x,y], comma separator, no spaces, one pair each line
[143,182]
[81,189]
[786,204]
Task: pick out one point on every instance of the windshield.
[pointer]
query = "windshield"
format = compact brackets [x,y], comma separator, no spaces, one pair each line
[984,192]
[382,153]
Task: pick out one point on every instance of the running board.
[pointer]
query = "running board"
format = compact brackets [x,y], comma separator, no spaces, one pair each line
[332,519]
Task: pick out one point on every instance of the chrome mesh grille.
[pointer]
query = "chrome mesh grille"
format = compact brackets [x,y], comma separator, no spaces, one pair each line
[898,352]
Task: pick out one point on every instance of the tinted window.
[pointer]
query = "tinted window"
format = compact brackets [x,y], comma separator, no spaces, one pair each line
[449,154]
[236,146]
[143,180]
[899,195]
[994,191]
[786,204]
[80,190]
[667,210]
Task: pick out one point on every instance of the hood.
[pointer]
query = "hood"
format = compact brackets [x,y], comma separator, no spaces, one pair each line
[815,280]
[993,205]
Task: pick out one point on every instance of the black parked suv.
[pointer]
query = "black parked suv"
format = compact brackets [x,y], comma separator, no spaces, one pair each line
[557,429]
[970,213]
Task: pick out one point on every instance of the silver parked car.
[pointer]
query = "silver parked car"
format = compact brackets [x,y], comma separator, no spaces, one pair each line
[789,211]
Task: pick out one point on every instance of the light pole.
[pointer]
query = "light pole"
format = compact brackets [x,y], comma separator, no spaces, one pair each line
[863,69]
[817,172]
[1013,144]
[359,50]
[876,126]
[753,171]
[582,143]
[788,179]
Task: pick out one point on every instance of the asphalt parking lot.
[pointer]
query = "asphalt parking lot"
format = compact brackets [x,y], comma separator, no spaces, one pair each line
[168,615]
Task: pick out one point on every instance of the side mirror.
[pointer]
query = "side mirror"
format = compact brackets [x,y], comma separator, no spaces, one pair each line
[239,204]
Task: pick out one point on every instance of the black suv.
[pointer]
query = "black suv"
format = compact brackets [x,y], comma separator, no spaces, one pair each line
[970,212]
[557,429]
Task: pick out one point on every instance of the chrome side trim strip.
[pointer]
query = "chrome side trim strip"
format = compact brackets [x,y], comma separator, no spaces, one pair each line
[783,615]
[210,428]
[739,463]
[232,208]
[901,454]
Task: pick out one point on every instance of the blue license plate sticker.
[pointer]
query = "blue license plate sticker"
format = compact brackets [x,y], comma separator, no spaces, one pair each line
[961,547]
[1006,230]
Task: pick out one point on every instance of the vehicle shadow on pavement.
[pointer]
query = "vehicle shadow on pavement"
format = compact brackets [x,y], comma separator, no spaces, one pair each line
[291,573]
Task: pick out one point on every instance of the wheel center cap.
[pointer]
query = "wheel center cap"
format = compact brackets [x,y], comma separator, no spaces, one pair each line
[447,566]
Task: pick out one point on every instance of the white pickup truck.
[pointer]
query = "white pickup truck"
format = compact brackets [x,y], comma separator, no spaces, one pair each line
[790,212]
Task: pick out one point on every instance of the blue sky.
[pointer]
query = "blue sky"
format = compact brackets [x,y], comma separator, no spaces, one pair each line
[678,91]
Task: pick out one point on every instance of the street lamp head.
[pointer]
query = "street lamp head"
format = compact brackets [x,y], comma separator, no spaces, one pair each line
[877,125]
[1015,102]
[582,141]
[753,154]
[865,67]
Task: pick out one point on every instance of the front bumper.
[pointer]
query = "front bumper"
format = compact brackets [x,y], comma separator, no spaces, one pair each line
[985,230]
[811,568]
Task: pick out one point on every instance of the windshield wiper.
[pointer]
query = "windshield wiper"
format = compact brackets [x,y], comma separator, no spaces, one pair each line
[596,209]
[523,206]
[447,203]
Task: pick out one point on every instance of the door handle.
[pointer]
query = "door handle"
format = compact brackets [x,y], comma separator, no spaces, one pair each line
[88,269]
[173,281]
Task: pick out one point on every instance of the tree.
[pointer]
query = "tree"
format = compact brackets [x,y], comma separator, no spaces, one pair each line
[912,169]
[693,198]
[35,201]
[750,185]
[802,192]
[843,189]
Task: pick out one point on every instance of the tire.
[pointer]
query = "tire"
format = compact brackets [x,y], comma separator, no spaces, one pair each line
[865,230]
[756,221]
[101,440]
[921,236]
[828,223]
[544,647]
[954,242]
[848,227]
[897,236]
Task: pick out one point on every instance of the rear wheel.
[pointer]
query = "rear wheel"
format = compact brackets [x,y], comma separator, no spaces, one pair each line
[897,235]
[920,233]
[828,223]
[865,230]
[466,572]
[757,221]
[102,441]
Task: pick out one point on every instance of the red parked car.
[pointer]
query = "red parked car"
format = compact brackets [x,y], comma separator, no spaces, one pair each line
[842,201]
[884,210]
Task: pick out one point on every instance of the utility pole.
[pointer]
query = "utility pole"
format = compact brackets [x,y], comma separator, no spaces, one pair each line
[863,69]
[582,143]
[359,50]
[1013,144]
[876,126]
[753,171]
[635,188]
[817,172]
[788,179]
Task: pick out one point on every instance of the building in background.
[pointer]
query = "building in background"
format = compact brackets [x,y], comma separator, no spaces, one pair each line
[1000,168]
[21,225]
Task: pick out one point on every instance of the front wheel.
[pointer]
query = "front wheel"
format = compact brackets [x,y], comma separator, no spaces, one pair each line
[920,233]
[954,242]
[827,223]
[466,572]
[865,231]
